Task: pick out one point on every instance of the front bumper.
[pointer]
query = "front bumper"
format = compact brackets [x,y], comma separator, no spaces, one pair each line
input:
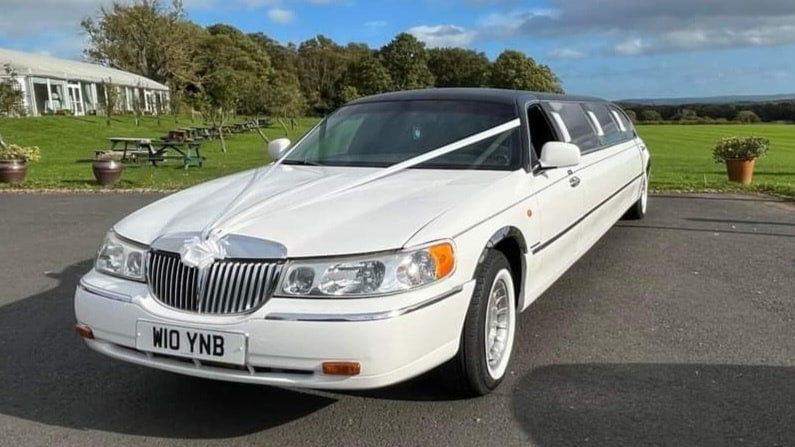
[393,338]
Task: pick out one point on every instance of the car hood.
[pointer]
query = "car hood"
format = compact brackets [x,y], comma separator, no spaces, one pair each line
[313,211]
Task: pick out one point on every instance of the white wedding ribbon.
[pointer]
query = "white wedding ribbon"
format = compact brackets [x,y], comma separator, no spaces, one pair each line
[226,220]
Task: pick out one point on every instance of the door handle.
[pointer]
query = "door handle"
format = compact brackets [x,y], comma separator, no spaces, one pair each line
[574,181]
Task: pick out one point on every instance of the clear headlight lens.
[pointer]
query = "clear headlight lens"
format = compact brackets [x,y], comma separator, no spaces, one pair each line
[121,258]
[369,275]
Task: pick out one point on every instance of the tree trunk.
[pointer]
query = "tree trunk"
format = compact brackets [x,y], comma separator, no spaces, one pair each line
[284,126]
[261,135]
[221,137]
[3,142]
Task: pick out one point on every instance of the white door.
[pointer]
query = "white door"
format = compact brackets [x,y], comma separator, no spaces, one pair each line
[76,99]
[560,206]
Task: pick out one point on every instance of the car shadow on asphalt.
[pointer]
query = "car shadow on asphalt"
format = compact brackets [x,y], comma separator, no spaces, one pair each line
[48,375]
[657,404]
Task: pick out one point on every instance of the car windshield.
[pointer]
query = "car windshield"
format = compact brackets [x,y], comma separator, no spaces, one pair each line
[381,134]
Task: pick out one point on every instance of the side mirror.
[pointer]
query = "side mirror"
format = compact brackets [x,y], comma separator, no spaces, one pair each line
[556,154]
[278,147]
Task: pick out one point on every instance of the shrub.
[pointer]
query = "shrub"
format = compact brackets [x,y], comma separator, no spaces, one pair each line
[15,152]
[736,148]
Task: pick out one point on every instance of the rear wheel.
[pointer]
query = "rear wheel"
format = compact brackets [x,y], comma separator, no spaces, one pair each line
[638,210]
[488,333]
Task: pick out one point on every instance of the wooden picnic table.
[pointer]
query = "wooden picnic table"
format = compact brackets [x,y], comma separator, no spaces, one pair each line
[137,144]
[189,152]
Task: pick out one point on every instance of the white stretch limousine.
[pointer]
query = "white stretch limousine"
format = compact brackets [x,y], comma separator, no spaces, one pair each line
[403,232]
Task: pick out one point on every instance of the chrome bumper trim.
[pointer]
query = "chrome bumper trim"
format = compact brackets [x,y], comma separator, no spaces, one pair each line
[103,292]
[365,316]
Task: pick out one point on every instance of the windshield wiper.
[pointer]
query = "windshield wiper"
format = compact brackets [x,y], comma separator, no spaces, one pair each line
[302,163]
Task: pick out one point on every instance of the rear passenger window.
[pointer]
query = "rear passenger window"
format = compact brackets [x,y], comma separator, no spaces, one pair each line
[577,125]
[611,134]
[624,124]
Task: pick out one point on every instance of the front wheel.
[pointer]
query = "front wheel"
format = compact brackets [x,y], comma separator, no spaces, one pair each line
[489,328]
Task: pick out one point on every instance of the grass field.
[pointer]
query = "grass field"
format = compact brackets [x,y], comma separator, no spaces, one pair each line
[67,147]
[682,158]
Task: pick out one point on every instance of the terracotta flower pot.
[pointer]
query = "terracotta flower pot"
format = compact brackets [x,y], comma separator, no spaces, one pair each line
[13,171]
[107,172]
[741,171]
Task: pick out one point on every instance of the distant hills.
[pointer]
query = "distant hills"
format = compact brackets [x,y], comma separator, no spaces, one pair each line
[709,100]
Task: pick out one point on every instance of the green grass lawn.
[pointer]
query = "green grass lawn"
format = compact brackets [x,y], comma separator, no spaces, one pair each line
[682,157]
[68,143]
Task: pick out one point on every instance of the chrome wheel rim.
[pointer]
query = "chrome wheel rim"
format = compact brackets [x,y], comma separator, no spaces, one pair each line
[644,193]
[500,322]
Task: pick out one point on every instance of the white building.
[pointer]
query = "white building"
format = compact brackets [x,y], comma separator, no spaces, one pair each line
[52,85]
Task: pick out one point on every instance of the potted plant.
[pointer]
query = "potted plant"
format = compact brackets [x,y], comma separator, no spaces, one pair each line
[740,155]
[108,168]
[14,162]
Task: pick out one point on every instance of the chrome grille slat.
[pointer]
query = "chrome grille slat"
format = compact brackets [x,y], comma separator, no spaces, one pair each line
[230,286]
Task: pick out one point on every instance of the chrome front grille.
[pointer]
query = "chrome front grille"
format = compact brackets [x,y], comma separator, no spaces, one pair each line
[226,287]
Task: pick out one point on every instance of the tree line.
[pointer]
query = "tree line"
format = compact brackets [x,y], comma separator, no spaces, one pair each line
[219,70]
[780,111]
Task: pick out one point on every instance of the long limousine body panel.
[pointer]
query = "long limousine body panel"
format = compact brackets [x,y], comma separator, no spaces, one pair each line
[405,231]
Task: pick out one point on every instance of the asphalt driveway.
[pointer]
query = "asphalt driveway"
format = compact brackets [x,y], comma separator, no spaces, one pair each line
[679,330]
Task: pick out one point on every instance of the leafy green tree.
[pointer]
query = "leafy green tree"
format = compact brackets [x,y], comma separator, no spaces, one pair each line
[368,76]
[457,67]
[285,99]
[143,37]
[10,94]
[283,58]
[631,114]
[650,115]
[228,69]
[406,60]
[348,94]
[514,70]
[747,117]
[321,67]
[685,115]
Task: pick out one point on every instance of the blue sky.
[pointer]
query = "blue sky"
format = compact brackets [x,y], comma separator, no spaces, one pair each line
[611,48]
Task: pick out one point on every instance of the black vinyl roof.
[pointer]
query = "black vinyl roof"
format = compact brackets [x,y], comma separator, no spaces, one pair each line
[472,94]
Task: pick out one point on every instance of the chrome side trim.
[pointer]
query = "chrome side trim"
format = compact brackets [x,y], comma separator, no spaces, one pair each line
[103,292]
[365,316]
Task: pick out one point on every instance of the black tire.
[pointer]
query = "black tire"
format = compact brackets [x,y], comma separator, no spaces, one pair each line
[467,373]
[638,209]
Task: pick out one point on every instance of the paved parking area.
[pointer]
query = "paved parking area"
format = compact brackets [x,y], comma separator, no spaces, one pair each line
[678,330]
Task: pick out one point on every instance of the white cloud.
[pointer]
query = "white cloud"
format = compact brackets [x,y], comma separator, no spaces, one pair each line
[565,53]
[630,47]
[443,35]
[281,16]
[260,3]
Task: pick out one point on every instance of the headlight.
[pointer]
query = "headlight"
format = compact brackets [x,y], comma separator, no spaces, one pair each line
[368,275]
[121,258]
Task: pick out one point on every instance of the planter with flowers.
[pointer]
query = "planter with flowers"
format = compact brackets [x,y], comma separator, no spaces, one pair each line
[108,168]
[740,154]
[14,161]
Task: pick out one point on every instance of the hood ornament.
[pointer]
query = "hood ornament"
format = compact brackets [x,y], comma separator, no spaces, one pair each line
[199,253]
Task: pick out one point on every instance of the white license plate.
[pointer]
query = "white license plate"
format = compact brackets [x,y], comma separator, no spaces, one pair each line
[217,346]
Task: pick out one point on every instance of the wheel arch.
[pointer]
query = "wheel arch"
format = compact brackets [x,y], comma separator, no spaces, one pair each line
[510,241]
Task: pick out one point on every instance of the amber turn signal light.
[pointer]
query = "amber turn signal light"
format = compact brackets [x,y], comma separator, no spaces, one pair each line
[342,368]
[444,257]
[84,331]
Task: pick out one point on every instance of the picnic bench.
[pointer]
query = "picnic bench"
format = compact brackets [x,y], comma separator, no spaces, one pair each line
[130,147]
[189,152]
[152,151]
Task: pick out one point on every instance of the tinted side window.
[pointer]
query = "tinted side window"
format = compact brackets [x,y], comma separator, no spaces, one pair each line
[625,124]
[612,134]
[578,126]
